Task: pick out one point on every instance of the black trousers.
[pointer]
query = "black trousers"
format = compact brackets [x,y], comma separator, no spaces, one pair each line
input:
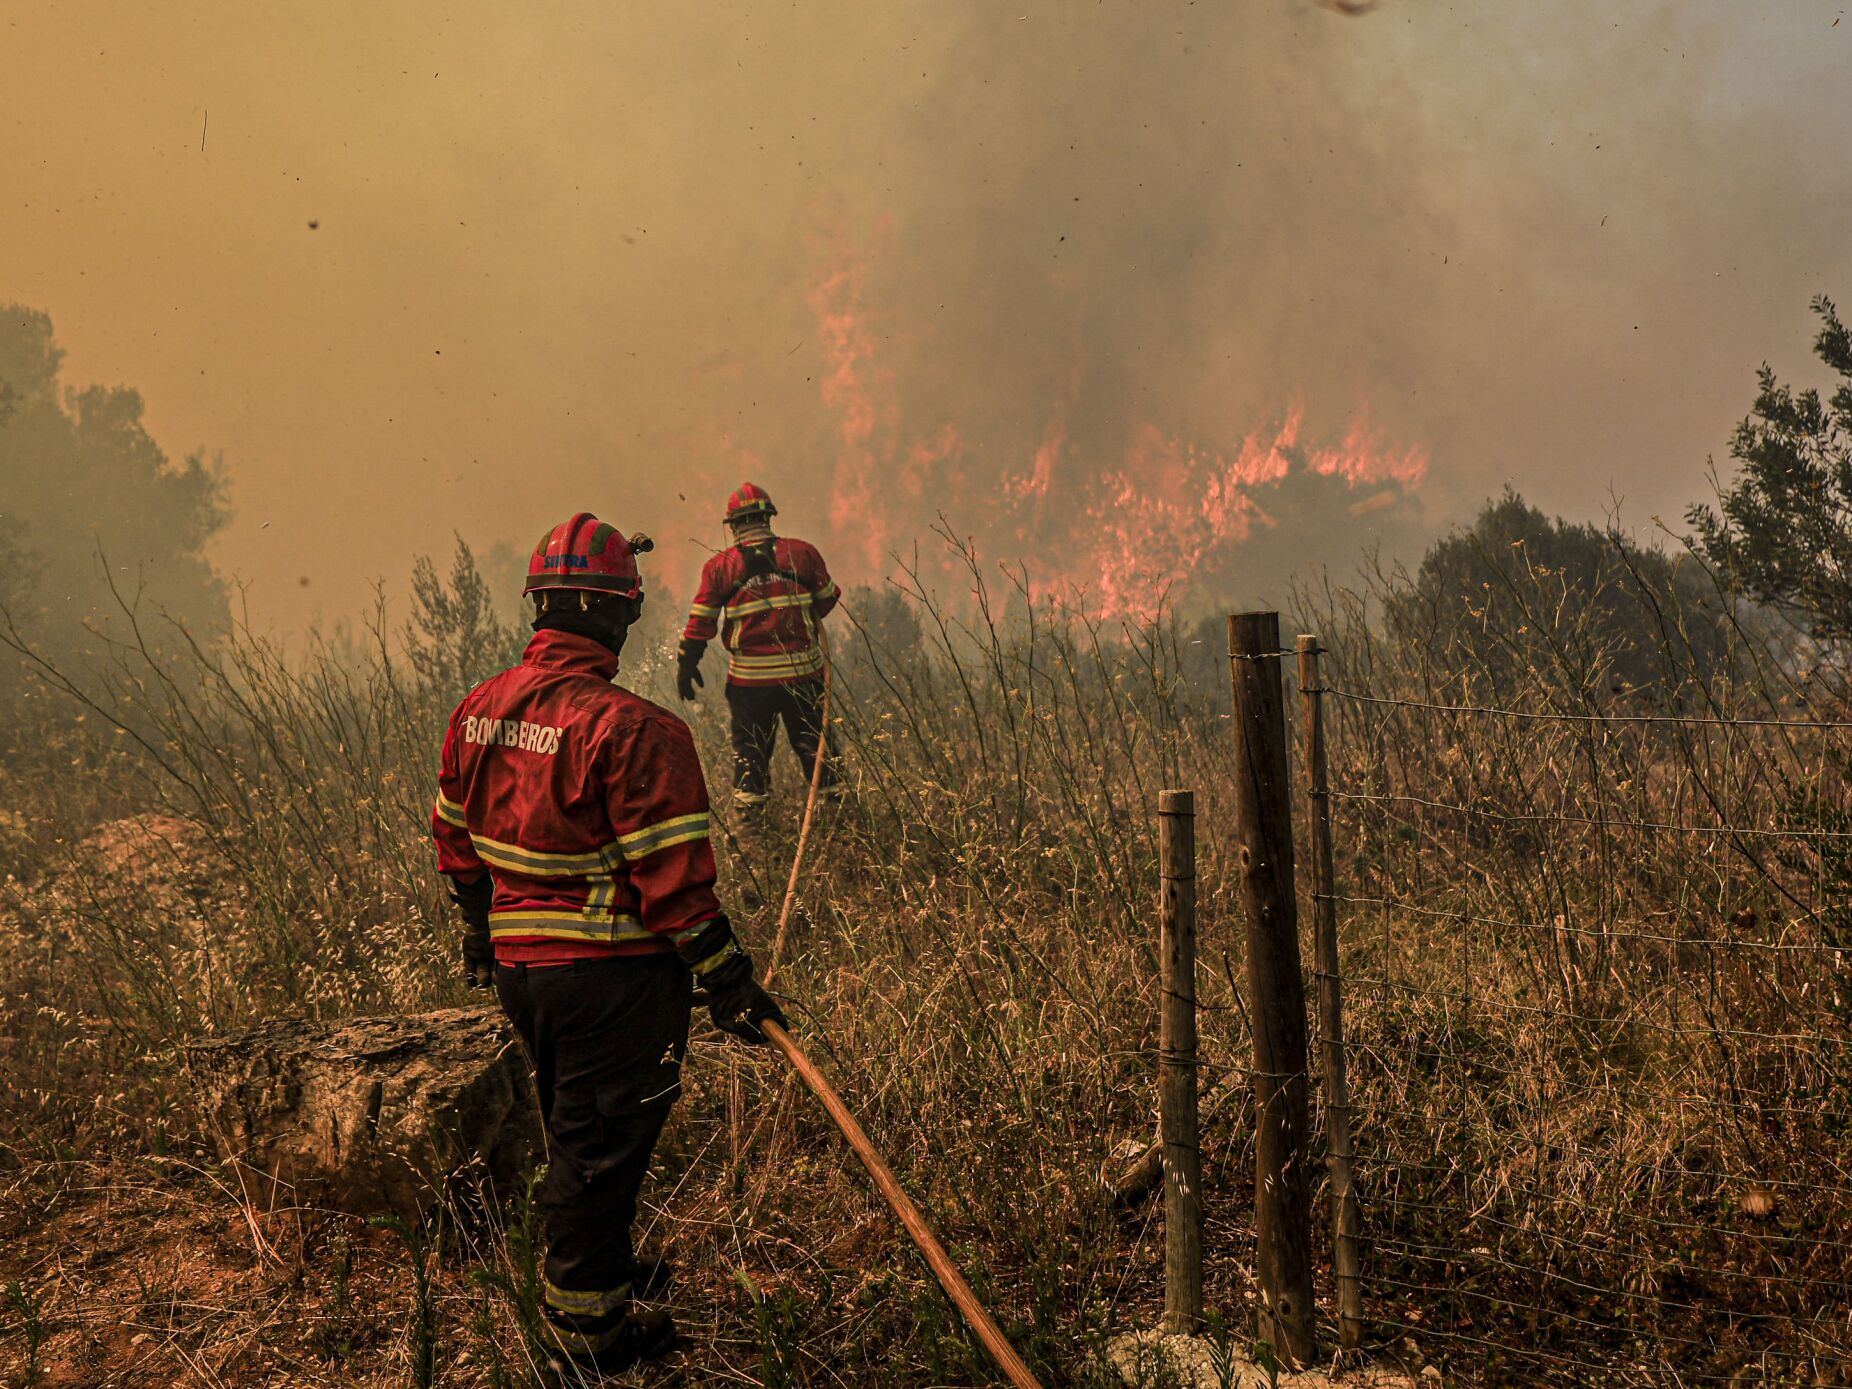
[606,1039]
[757,711]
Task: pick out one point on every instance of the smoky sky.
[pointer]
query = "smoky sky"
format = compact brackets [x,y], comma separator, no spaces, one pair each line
[426,268]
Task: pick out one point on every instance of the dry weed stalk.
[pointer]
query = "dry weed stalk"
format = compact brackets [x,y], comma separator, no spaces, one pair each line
[1599,1090]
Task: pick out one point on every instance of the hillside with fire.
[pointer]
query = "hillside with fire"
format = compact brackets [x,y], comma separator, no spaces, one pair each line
[919,695]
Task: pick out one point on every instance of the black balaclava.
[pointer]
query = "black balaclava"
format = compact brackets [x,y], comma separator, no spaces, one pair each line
[606,620]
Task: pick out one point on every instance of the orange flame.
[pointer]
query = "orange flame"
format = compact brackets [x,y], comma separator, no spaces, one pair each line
[1364,460]
[1116,535]
[861,390]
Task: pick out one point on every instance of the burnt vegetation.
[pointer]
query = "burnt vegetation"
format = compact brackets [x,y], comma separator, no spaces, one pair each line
[1594,846]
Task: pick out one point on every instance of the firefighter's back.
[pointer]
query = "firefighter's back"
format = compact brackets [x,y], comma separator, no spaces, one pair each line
[572,823]
[527,747]
[548,761]
[764,600]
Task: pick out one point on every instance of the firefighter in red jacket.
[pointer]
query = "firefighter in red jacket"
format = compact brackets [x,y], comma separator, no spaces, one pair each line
[572,822]
[766,596]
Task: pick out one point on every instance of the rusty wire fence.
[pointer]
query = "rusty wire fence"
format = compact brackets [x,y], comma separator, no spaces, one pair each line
[1599,1007]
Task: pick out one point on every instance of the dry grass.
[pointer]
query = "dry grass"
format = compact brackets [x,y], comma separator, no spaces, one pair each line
[1560,1121]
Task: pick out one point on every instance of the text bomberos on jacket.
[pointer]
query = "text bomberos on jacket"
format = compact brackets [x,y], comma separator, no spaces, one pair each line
[513,733]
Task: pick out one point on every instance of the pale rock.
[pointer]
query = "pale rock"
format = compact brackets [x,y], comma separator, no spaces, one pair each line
[376,1115]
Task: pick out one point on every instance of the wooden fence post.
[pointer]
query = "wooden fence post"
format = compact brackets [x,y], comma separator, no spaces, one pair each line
[1346,1221]
[1276,990]
[1183,1205]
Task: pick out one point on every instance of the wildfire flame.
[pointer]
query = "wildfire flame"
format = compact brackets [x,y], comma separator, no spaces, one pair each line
[1118,536]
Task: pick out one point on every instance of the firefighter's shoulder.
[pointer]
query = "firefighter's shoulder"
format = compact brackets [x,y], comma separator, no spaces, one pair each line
[619,711]
[480,691]
[719,565]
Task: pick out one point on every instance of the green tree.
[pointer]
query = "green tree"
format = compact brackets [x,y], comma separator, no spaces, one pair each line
[457,636]
[1520,595]
[18,570]
[1782,532]
[92,512]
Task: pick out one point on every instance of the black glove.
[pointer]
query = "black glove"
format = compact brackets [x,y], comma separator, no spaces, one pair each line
[736,1002]
[724,972]
[478,958]
[688,668]
[473,901]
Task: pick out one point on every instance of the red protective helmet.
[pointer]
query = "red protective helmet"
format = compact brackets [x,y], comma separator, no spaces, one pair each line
[588,556]
[750,500]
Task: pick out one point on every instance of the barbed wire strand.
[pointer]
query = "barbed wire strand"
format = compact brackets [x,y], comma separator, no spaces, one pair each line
[1685,720]
[1630,1213]
[1679,1374]
[1554,1090]
[1666,827]
[1723,942]
[1459,1255]
[1679,1377]
[1594,1020]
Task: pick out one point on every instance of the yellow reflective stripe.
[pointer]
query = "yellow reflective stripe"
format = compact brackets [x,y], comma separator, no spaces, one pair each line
[783,658]
[765,605]
[828,590]
[567,925]
[450,812]
[719,957]
[598,901]
[579,1342]
[583,1304]
[556,914]
[536,863]
[702,610]
[646,841]
[782,665]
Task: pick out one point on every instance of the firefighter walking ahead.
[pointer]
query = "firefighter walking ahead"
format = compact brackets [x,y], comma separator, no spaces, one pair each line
[572,822]
[766,596]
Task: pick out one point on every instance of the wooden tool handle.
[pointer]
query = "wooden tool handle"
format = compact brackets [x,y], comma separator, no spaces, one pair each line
[810,810]
[921,1233]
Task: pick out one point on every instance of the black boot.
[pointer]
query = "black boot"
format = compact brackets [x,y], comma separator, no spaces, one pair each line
[638,1337]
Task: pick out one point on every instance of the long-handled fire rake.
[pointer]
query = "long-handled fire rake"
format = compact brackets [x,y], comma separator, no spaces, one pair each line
[918,1230]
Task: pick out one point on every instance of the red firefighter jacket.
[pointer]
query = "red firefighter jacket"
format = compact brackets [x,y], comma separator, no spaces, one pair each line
[768,623]
[586,803]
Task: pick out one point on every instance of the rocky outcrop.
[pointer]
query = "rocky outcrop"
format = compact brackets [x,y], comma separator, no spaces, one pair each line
[370,1115]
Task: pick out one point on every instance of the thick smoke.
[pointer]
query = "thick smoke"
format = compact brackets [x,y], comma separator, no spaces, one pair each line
[1126,305]
[1079,276]
[1117,247]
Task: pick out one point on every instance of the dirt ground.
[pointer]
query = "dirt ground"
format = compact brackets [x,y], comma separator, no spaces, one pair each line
[149,1273]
